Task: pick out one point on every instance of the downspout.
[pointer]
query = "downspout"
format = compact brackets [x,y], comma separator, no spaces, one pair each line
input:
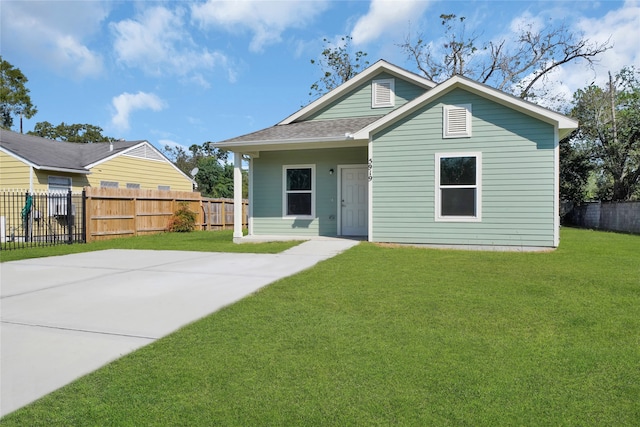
[556,188]
[31,179]
[370,190]
[250,196]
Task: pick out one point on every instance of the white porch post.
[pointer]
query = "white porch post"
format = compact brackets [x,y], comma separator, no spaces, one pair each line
[237,195]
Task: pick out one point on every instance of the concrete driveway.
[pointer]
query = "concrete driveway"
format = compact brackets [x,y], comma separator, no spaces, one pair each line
[63,317]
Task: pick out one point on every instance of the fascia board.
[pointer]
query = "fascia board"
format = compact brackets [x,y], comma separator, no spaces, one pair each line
[564,123]
[291,144]
[55,169]
[123,152]
[19,158]
[113,156]
[376,68]
[44,167]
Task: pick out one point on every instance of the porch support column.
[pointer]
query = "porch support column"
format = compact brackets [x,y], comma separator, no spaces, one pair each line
[237,195]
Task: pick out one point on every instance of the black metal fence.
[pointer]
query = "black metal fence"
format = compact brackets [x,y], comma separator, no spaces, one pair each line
[41,219]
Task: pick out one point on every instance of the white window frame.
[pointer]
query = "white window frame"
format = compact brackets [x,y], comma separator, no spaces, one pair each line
[477,187]
[312,192]
[133,186]
[57,205]
[392,96]
[447,110]
[164,188]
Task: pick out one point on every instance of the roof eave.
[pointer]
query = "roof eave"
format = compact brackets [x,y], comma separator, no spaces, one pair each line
[290,144]
[564,124]
[65,170]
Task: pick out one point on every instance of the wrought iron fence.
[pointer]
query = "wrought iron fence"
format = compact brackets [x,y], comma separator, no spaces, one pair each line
[29,219]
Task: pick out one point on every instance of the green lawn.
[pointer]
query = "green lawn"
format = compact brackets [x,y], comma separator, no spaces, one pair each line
[395,336]
[203,241]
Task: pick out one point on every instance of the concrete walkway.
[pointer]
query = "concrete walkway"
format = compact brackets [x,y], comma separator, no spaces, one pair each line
[63,317]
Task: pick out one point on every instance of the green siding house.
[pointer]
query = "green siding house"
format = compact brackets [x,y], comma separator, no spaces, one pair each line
[392,157]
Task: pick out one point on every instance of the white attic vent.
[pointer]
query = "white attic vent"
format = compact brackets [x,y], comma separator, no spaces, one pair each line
[382,93]
[456,121]
[145,152]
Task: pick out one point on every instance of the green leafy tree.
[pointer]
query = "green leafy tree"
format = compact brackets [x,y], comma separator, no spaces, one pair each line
[214,176]
[575,170]
[338,64]
[610,128]
[14,96]
[521,65]
[82,133]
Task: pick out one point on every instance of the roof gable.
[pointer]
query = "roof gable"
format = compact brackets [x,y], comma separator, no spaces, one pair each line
[381,69]
[564,124]
[73,157]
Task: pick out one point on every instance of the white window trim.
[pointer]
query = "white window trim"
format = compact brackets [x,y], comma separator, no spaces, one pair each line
[438,216]
[56,202]
[284,191]
[392,97]
[67,186]
[446,109]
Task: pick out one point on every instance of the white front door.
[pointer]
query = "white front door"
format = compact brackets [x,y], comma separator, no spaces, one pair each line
[353,201]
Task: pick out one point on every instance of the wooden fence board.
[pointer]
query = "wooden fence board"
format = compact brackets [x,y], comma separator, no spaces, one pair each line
[115,212]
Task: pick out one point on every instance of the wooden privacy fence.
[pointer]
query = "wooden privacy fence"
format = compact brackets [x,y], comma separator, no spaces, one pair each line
[113,212]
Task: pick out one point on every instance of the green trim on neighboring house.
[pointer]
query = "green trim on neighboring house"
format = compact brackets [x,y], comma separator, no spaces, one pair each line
[517,177]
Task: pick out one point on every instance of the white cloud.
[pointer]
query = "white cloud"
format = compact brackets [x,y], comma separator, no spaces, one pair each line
[267,20]
[617,26]
[622,28]
[158,43]
[386,17]
[48,31]
[127,103]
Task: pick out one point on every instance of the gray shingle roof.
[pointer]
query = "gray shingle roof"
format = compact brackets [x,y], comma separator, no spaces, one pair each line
[46,153]
[320,129]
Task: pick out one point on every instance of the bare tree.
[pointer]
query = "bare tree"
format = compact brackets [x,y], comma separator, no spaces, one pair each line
[338,64]
[520,66]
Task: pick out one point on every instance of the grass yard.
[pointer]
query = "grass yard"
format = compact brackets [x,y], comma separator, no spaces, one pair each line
[395,336]
[202,241]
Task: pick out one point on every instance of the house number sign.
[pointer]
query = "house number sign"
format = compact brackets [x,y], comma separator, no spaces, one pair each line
[370,167]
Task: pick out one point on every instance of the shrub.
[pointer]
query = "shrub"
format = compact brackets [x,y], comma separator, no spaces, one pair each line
[183,220]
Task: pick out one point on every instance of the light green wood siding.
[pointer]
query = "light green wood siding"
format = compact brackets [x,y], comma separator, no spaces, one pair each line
[517,177]
[148,173]
[268,192]
[357,103]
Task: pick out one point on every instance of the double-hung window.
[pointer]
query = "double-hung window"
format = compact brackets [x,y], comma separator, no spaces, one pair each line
[59,187]
[299,188]
[458,186]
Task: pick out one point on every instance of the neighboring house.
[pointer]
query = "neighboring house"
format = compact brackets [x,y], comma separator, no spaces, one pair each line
[33,163]
[392,157]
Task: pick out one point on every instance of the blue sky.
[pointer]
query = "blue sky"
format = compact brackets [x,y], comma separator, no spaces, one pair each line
[186,72]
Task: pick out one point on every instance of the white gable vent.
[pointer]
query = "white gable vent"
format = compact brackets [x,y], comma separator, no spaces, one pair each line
[144,152]
[382,93]
[456,121]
